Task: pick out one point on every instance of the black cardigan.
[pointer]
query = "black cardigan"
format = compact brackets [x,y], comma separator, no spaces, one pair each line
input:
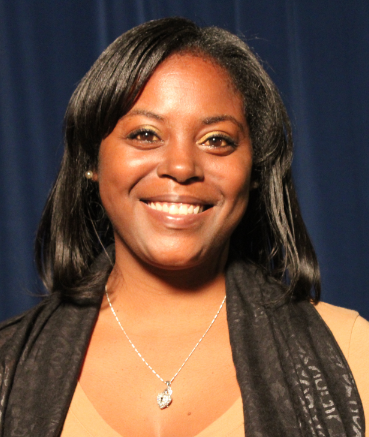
[293,377]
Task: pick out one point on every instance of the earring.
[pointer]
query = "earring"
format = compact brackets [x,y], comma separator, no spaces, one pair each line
[88,174]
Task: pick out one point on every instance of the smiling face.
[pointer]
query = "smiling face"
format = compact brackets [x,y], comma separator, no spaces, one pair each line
[174,174]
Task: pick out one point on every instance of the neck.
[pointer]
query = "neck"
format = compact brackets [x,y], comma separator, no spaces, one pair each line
[196,290]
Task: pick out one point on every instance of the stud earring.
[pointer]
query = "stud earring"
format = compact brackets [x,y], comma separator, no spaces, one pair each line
[89,174]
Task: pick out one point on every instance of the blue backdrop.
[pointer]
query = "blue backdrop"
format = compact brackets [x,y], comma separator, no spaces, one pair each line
[317,53]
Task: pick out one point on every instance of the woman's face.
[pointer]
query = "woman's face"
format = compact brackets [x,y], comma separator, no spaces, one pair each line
[174,174]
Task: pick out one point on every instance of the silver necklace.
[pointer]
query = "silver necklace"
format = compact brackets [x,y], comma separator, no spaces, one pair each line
[164,399]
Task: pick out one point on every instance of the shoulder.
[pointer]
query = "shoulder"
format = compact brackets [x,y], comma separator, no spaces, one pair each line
[343,323]
[41,353]
[351,332]
[8,328]
[13,330]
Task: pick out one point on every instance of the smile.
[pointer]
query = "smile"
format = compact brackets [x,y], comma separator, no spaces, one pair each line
[176,208]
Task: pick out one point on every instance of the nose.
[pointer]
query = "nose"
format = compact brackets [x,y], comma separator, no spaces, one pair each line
[181,162]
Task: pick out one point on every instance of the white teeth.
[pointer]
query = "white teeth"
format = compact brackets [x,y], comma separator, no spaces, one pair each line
[176,208]
[182,209]
[173,209]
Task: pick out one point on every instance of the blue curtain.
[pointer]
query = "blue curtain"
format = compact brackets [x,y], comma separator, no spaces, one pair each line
[316,51]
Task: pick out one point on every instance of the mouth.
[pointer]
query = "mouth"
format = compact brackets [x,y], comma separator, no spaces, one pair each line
[174,208]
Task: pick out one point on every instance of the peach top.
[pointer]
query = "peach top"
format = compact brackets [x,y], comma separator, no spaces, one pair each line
[350,330]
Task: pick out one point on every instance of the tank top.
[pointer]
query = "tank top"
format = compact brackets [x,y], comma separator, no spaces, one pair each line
[350,330]
[84,421]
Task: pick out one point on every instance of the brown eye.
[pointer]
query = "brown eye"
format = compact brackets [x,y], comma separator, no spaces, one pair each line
[146,136]
[216,142]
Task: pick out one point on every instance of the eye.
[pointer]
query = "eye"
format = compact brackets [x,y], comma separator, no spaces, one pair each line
[218,140]
[144,135]
[215,141]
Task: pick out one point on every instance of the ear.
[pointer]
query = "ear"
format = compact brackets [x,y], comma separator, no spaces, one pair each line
[95,176]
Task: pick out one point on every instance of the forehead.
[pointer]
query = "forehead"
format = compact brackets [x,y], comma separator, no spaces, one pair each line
[196,62]
[190,82]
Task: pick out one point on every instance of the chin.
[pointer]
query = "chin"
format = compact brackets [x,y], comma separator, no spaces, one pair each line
[181,259]
[174,262]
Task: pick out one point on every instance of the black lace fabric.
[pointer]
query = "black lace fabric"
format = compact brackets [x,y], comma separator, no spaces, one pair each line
[293,377]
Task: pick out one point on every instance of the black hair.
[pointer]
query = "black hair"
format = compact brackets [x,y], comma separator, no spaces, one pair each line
[74,228]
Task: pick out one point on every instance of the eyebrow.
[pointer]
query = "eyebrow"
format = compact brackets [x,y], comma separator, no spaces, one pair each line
[218,118]
[145,113]
[207,121]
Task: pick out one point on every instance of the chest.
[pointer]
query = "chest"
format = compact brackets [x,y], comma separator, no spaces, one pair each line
[124,390]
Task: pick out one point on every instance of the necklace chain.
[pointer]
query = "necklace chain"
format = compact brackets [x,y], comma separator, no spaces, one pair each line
[168,383]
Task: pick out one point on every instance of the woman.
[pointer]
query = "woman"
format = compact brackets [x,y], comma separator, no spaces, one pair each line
[175,190]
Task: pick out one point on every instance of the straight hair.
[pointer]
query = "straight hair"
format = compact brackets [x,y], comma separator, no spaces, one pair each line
[74,227]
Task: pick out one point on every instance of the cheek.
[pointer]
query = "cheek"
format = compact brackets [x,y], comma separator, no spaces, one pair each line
[237,181]
[239,193]
[120,171]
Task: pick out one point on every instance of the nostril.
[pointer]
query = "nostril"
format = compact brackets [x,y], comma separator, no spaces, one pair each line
[181,167]
[182,178]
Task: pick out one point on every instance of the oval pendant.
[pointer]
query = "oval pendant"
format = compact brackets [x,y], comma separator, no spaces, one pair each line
[164,399]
